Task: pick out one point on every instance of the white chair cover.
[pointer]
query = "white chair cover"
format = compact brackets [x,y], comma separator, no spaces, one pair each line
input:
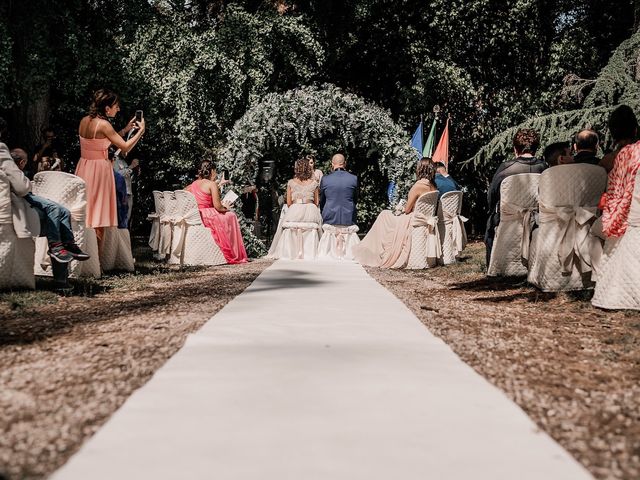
[116,253]
[70,192]
[300,240]
[192,243]
[337,242]
[426,247]
[154,217]
[16,254]
[518,203]
[618,284]
[451,226]
[561,250]
[166,223]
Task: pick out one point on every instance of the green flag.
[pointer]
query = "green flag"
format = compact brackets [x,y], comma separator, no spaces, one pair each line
[428,147]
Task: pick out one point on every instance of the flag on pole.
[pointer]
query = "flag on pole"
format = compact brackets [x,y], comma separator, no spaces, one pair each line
[442,151]
[416,141]
[431,140]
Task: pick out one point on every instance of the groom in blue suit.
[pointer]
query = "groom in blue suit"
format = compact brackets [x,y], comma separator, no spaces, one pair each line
[338,194]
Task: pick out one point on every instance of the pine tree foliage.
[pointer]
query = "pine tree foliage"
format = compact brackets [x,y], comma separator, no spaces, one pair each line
[617,83]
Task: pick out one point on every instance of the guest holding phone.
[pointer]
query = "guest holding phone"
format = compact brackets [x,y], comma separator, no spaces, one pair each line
[94,167]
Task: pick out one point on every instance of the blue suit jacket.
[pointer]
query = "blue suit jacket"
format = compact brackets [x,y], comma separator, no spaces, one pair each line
[338,196]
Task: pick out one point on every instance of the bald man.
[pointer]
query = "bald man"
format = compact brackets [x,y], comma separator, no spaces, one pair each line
[338,194]
[586,147]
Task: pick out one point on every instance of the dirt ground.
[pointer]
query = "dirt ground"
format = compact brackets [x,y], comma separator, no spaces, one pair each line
[573,368]
[68,362]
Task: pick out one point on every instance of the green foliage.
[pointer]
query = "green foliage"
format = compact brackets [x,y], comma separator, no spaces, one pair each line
[197,82]
[321,119]
[617,83]
[5,65]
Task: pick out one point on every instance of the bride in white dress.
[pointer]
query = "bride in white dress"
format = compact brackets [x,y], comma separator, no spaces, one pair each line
[299,228]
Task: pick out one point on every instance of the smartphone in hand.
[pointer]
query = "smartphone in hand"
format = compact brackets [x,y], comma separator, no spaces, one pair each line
[138,115]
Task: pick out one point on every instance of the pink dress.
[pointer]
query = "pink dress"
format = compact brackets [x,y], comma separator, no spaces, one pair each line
[95,169]
[224,227]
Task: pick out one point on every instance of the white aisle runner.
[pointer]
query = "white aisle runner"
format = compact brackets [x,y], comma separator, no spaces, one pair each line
[318,372]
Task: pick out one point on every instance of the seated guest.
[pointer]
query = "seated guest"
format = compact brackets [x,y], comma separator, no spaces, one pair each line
[558,153]
[525,144]
[444,182]
[303,196]
[122,203]
[586,147]
[216,216]
[22,160]
[617,201]
[317,173]
[55,220]
[388,243]
[623,126]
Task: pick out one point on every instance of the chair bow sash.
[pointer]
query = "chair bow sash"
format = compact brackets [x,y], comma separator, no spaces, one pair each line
[181,224]
[459,234]
[298,229]
[434,247]
[575,241]
[512,212]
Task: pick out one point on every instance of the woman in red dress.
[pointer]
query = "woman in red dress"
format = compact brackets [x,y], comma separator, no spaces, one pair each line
[216,216]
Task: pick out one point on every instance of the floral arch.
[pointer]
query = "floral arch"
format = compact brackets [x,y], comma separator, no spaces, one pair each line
[320,120]
[297,118]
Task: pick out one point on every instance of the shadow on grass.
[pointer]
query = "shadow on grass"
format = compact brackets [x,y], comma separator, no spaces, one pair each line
[490,284]
[26,324]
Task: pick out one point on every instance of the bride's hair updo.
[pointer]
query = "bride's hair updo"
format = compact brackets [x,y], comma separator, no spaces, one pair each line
[426,170]
[206,168]
[102,99]
[302,169]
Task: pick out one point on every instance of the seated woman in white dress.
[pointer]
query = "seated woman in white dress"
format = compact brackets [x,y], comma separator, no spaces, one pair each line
[388,243]
[298,232]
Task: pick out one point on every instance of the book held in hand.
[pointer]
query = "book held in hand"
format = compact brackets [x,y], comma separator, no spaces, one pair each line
[229,198]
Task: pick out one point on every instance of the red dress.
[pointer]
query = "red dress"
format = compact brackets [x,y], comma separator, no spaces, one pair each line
[224,227]
[617,201]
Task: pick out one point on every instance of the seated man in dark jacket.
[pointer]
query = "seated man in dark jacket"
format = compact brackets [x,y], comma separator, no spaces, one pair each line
[525,143]
[586,146]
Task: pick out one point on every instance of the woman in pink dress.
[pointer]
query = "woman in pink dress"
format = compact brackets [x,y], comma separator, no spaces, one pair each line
[94,167]
[222,222]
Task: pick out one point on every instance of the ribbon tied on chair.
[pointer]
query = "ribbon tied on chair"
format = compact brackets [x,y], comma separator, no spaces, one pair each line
[511,212]
[180,226]
[154,237]
[299,229]
[166,221]
[434,248]
[575,241]
[458,231]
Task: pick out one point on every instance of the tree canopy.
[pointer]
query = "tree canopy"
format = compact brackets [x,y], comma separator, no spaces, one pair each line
[195,67]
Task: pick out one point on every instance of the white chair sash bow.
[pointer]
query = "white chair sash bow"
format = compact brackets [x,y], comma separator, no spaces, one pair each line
[510,212]
[434,247]
[180,226]
[154,237]
[166,222]
[299,228]
[575,241]
[458,231]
